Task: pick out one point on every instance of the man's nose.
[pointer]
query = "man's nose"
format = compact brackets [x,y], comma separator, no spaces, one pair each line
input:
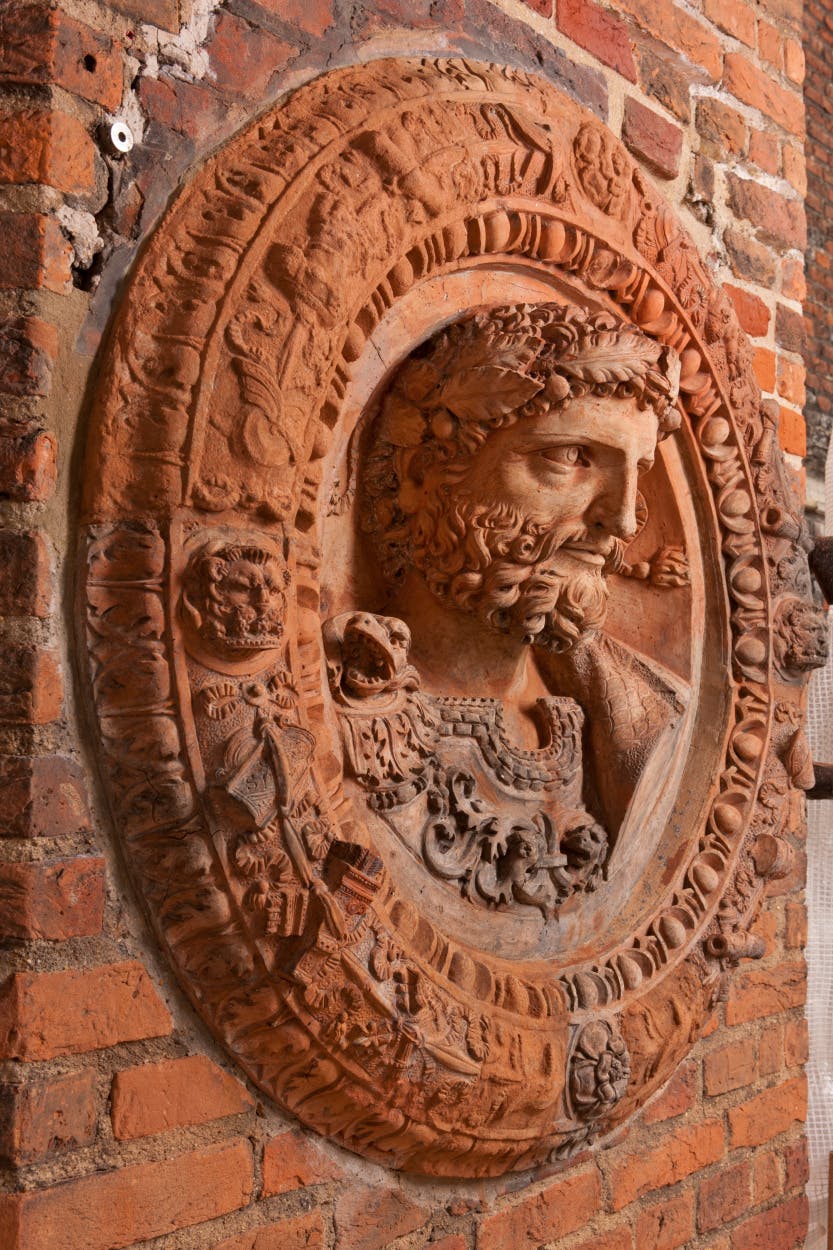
[614,507]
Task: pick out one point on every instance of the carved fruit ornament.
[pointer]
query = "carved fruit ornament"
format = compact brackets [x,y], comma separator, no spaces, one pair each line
[371,999]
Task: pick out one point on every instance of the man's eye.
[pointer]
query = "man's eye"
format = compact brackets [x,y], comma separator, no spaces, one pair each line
[569,455]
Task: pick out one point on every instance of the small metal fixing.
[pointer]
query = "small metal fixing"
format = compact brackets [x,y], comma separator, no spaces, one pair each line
[117,138]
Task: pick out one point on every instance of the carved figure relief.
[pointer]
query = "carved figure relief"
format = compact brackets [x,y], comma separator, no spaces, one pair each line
[447,616]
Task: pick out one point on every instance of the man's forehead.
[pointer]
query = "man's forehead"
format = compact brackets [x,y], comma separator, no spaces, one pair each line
[619,423]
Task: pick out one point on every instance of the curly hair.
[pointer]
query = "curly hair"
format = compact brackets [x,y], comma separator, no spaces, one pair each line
[486,372]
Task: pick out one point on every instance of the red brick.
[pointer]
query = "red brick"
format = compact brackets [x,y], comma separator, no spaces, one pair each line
[796,1043]
[367,1219]
[47,1117]
[164,13]
[680,1152]
[783,1227]
[765,151]
[172,1094]
[41,796]
[752,312]
[44,1014]
[766,992]
[668,1224]
[599,32]
[26,585]
[763,362]
[659,143]
[770,44]
[771,1048]
[109,1210]
[39,45]
[794,63]
[455,1242]
[793,283]
[31,689]
[35,253]
[190,108]
[733,16]
[730,1066]
[792,432]
[749,260]
[544,7]
[559,1209]
[751,85]
[236,43]
[675,1099]
[763,1117]
[778,220]
[795,168]
[679,31]
[665,77]
[28,350]
[791,375]
[796,1164]
[293,1161]
[789,329]
[722,127]
[28,466]
[314,17]
[724,1196]
[301,1232]
[46,147]
[52,899]
[766,1177]
[611,1239]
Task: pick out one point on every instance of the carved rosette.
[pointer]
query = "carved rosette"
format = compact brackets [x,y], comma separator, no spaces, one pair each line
[219,429]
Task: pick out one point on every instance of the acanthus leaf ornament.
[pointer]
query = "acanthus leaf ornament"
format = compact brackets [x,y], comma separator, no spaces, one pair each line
[467,739]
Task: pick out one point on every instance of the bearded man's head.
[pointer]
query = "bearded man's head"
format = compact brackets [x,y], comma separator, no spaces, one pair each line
[538,576]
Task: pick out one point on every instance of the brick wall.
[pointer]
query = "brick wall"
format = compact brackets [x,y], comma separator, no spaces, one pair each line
[120,1120]
[819,303]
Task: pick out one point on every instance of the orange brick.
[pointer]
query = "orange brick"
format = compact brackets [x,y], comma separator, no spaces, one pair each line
[765,151]
[598,31]
[783,1227]
[44,1014]
[771,1048]
[766,1177]
[791,375]
[611,1239]
[770,44]
[559,1209]
[794,63]
[109,1210]
[746,82]
[46,147]
[733,16]
[730,1066]
[161,1096]
[28,351]
[293,1161]
[52,899]
[35,253]
[795,168]
[26,585]
[666,1225]
[681,32]
[792,432]
[685,1150]
[763,1117]
[766,991]
[675,1099]
[39,45]
[752,312]
[41,796]
[368,1219]
[722,126]
[456,1242]
[31,688]
[796,1043]
[763,362]
[302,1232]
[796,1164]
[43,1118]
[793,282]
[779,220]
[28,464]
[724,1196]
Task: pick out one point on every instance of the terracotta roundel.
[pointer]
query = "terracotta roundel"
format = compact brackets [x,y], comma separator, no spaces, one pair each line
[447,616]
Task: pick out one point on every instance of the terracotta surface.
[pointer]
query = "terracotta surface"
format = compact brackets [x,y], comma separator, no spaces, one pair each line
[449,715]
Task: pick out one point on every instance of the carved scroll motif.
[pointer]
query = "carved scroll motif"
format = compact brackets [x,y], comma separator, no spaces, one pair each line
[507,913]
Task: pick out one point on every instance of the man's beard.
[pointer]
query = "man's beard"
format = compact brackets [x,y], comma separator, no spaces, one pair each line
[491,560]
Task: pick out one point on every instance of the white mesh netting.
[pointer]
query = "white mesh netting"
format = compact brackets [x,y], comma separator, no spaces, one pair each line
[820,935]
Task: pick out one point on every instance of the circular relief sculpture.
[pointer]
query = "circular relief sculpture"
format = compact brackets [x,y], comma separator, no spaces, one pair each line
[447,616]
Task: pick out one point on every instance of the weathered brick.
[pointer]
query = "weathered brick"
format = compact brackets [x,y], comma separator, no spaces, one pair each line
[677,1097]
[620,1238]
[766,992]
[455,1242]
[41,796]
[315,17]
[367,1219]
[749,259]
[771,1048]
[293,1161]
[47,1117]
[796,1043]
[659,143]
[765,151]
[158,1097]
[789,329]
[763,362]
[783,1227]
[721,127]
[724,1196]
[668,1224]
[665,77]
[598,31]
[770,44]
[794,61]
[759,1119]
[26,585]
[746,82]
[684,1150]
[792,433]
[51,148]
[236,43]
[35,253]
[559,1209]
[791,376]
[730,1066]
[687,36]
[28,350]
[300,1232]
[778,220]
[733,16]
[793,283]
[109,1210]
[163,13]
[39,44]
[28,466]
[795,168]
[752,312]
[767,1180]
[191,108]
[45,1014]
[52,899]
[31,690]
[796,1164]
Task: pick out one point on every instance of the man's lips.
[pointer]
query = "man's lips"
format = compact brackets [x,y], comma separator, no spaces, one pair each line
[586,553]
